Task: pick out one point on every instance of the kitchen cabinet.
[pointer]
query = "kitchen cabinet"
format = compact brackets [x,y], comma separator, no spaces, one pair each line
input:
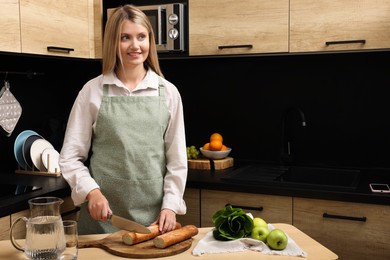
[4,227]
[351,230]
[57,28]
[237,27]
[9,26]
[339,25]
[273,209]
[192,199]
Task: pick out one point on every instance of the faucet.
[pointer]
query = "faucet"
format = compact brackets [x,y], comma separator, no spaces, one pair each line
[285,148]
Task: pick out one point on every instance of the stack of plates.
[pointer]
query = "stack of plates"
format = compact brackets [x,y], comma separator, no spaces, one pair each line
[32,151]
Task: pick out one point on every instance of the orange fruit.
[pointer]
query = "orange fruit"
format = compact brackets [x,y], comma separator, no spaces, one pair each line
[216,136]
[206,146]
[224,148]
[215,145]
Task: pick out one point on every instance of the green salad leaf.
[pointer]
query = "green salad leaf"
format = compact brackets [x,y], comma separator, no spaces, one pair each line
[231,223]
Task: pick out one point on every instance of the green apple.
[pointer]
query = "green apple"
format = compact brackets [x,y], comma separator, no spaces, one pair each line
[277,239]
[259,222]
[260,233]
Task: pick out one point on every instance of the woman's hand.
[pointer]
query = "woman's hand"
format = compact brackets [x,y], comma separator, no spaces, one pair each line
[98,205]
[166,221]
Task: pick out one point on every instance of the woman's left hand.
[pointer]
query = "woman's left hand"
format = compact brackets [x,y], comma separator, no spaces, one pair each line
[166,220]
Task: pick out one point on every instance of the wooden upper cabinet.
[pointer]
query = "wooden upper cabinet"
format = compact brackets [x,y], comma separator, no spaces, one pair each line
[324,25]
[9,26]
[221,27]
[60,28]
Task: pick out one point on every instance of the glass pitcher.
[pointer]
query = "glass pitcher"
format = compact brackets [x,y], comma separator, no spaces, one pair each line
[44,229]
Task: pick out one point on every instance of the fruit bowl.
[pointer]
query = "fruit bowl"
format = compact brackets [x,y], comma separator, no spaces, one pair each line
[215,155]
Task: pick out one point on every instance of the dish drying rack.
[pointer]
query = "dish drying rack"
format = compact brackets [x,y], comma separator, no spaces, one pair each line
[35,171]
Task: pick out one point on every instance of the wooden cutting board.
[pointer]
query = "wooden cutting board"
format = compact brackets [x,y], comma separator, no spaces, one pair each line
[114,245]
[208,164]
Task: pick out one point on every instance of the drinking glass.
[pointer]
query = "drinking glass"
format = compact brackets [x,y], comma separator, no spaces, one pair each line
[71,239]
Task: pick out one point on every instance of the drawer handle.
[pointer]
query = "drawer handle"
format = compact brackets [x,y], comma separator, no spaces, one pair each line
[248,207]
[345,42]
[59,49]
[363,219]
[249,46]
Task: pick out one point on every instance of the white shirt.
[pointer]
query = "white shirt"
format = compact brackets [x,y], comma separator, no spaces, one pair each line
[81,127]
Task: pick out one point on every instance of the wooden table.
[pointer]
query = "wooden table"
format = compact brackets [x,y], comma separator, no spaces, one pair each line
[315,250]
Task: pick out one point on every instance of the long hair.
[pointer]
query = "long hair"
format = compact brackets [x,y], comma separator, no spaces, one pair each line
[112,36]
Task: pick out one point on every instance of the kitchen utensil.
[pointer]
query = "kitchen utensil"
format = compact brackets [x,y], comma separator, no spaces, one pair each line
[209,164]
[36,150]
[10,110]
[127,224]
[26,150]
[45,233]
[18,146]
[113,244]
[71,240]
[215,155]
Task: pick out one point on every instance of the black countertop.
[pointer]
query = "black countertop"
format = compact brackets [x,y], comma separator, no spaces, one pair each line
[216,180]
[202,179]
[48,186]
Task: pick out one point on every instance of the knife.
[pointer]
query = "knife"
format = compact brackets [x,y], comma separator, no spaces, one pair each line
[127,224]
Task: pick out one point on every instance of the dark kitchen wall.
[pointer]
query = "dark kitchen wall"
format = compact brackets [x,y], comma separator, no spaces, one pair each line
[46,99]
[345,99]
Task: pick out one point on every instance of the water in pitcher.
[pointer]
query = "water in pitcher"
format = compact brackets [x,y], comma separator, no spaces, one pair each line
[46,238]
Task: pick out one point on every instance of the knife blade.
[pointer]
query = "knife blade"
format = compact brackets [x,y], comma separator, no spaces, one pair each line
[126,224]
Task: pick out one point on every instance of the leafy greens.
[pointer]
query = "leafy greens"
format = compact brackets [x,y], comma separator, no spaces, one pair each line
[231,223]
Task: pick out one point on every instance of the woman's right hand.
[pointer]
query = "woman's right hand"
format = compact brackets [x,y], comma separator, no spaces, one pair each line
[98,206]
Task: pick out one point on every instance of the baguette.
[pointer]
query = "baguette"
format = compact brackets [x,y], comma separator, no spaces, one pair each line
[132,238]
[175,236]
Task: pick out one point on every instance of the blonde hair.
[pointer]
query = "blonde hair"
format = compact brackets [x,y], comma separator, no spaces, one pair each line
[112,36]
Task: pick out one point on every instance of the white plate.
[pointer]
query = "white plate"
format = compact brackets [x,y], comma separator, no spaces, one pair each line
[50,158]
[36,150]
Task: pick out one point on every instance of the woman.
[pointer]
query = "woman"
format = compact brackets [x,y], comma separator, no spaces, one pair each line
[132,119]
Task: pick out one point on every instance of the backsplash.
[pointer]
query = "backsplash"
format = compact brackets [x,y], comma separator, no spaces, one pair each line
[46,99]
[344,98]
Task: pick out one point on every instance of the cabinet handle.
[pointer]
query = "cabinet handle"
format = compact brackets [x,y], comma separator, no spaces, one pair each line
[59,49]
[249,46]
[363,219]
[248,207]
[345,42]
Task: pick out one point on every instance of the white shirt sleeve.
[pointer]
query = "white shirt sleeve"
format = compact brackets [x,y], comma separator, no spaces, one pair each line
[77,143]
[175,145]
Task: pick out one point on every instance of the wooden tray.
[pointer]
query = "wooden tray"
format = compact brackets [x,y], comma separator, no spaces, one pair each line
[50,174]
[208,164]
[114,245]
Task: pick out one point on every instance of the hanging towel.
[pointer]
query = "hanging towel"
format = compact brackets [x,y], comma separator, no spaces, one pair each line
[10,110]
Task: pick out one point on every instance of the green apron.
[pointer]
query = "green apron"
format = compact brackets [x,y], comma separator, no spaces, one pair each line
[128,158]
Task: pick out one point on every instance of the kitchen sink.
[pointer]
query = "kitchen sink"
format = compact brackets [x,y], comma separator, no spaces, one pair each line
[318,178]
[321,178]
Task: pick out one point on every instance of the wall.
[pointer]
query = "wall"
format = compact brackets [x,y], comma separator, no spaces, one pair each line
[344,98]
[46,99]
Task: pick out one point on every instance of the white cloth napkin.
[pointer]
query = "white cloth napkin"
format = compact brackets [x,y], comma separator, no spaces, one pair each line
[209,245]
